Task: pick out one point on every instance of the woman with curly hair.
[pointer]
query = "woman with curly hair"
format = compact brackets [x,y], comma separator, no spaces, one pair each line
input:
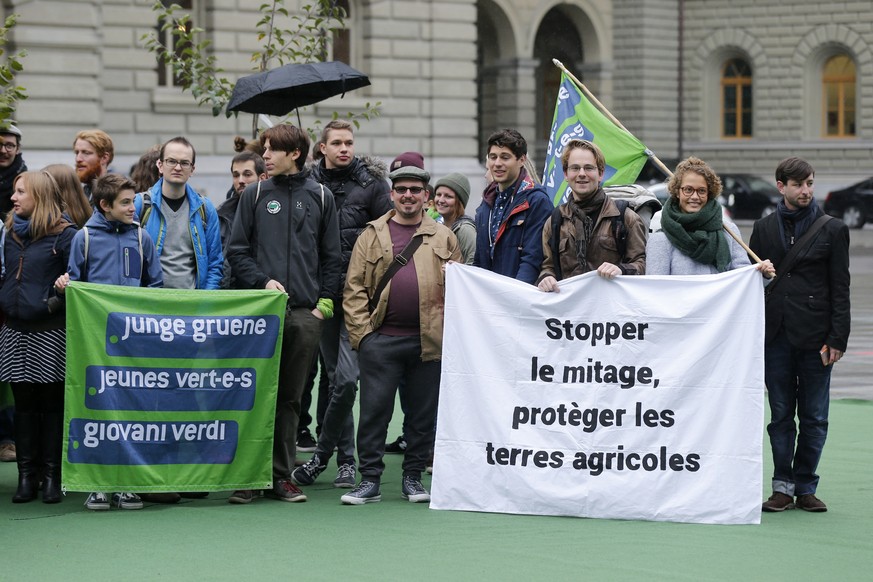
[693,239]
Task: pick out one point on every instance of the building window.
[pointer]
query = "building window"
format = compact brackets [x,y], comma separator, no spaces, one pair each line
[166,78]
[838,97]
[342,42]
[340,46]
[736,90]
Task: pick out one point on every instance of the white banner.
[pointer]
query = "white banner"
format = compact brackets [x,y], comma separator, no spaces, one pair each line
[636,398]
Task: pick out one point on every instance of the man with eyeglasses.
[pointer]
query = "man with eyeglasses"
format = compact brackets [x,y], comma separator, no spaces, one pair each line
[397,329]
[592,233]
[183,224]
[361,193]
[11,164]
[509,222]
[286,237]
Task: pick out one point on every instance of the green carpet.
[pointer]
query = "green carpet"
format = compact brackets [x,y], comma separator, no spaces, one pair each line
[395,540]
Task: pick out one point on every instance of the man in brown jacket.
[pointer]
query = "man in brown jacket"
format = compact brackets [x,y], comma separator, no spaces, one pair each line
[587,239]
[398,332]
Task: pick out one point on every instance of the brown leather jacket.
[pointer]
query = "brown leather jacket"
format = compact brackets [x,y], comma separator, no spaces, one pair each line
[371,257]
[602,249]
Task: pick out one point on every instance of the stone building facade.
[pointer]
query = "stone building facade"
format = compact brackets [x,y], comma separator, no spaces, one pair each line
[741,83]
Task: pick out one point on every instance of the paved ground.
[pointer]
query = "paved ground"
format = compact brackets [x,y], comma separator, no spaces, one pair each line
[853,376]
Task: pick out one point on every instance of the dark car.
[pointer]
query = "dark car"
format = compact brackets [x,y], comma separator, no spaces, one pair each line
[853,204]
[748,196]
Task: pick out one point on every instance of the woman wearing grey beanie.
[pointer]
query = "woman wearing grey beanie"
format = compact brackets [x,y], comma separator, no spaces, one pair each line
[452,193]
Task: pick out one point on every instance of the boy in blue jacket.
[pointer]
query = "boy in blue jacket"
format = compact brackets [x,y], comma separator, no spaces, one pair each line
[114,250]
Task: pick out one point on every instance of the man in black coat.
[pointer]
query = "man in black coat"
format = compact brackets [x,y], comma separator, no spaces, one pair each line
[362,195]
[808,320]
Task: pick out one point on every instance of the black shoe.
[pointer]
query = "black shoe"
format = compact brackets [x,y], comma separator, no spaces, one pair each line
[398,447]
[307,473]
[305,442]
[27,435]
[52,445]
[194,494]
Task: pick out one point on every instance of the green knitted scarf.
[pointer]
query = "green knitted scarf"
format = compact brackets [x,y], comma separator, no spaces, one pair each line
[699,234]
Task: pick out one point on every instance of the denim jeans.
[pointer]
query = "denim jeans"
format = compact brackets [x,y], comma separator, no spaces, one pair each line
[797,383]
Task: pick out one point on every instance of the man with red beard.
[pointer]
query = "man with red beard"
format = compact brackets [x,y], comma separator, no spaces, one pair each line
[11,164]
[94,152]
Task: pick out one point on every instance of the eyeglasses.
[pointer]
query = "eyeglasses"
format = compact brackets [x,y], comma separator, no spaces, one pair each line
[173,163]
[689,191]
[9,147]
[588,169]
[411,189]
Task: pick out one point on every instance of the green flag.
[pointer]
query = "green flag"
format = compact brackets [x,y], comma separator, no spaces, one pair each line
[577,118]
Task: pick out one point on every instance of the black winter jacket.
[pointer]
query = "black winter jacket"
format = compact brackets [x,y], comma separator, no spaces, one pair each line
[27,294]
[361,194]
[288,233]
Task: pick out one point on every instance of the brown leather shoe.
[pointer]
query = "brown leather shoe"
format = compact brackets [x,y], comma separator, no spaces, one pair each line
[810,502]
[778,502]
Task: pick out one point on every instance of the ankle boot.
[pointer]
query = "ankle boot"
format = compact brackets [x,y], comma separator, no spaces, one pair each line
[52,446]
[27,429]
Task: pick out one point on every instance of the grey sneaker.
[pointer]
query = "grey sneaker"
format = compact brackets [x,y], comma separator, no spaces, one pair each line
[365,492]
[97,501]
[345,476]
[126,501]
[414,491]
[242,496]
[308,472]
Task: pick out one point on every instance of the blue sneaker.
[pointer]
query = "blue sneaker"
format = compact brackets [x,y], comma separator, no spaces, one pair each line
[413,490]
[365,492]
[345,476]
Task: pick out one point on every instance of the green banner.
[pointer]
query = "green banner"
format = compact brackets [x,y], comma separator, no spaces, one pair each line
[170,390]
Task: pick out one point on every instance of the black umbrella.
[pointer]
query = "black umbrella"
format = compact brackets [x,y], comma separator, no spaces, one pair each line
[278,91]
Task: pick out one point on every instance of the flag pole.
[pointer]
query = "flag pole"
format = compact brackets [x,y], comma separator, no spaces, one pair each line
[651,155]
[608,114]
